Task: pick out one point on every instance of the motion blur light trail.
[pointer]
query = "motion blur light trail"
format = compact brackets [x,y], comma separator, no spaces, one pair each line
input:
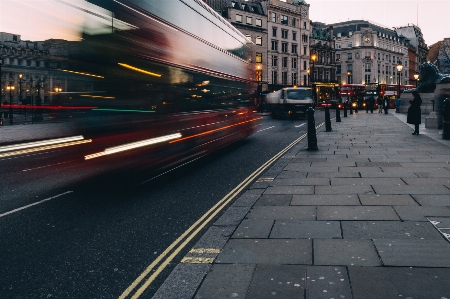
[138,70]
[129,146]
[43,148]
[39,143]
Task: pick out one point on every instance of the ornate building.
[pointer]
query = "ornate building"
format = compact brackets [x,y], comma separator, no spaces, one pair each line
[323,67]
[369,53]
[415,37]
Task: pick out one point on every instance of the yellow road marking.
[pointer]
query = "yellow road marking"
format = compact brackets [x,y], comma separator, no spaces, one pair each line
[219,205]
[197,260]
[204,250]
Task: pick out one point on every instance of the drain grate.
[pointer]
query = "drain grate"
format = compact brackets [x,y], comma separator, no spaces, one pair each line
[442,224]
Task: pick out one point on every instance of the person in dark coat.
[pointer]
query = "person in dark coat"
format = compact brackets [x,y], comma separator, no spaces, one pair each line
[414,113]
[371,103]
[380,104]
[386,105]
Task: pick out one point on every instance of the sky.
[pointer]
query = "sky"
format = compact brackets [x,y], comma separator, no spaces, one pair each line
[38,20]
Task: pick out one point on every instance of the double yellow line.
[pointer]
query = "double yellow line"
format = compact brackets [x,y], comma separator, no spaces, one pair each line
[190,233]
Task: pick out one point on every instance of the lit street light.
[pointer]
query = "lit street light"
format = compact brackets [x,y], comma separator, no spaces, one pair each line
[416,77]
[313,58]
[399,71]
[10,87]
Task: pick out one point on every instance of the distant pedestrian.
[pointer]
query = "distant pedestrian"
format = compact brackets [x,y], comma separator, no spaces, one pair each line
[414,112]
[398,102]
[386,105]
[371,103]
[380,104]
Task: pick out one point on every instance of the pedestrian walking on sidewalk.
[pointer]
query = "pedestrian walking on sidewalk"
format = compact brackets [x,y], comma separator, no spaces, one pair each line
[414,113]
[398,102]
[386,105]
[371,103]
[380,104]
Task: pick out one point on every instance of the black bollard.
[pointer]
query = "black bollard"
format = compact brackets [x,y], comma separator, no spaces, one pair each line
[356,107]
[345,109]
[351,108]
[446,115]
[312,138]
[338,114]
[327,119]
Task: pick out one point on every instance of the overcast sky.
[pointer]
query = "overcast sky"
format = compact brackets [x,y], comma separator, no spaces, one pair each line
[43,19]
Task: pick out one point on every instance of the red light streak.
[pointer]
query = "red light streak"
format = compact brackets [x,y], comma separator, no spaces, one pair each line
[215,130]
[48,107]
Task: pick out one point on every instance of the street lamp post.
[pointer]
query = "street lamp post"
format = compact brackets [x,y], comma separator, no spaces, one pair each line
[10,87]
[309,77]
[1,62]
[313,59]
[399,72]
[416,77]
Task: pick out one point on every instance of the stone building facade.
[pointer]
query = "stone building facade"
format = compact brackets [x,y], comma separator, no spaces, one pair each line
[32,68]
[414,34]
[369,53]
[439,55]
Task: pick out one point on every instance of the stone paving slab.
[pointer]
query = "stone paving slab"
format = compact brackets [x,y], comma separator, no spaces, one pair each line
[403,282]
[378,164]
[389,230]
[334,163]
[297,229]
[431,174]
[334,175]
[433,200]
[325,169]
[410,213]
[226,281]
[366,181]
[325,200]
[414,253]
[427,181]
[308,159]
[324,282]
[410,189]
[441,222]
[436,165]
[301,182]
[359,169]
[345,252]
[389,174]
[253,229]
[266,251]
[387,200]
[274,200]
[356,213]
[292,174]
[343,189]
[290,190]
[283,213]
[278,281]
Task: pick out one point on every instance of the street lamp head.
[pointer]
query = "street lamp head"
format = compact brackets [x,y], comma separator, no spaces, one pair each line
[308,71]
[399,67]
[20,76]
[313,57]
[416,76]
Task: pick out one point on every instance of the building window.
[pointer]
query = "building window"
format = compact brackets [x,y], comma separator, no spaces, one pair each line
[274,77]
[378,68]
[294,22]
[249,37]
[28,62]
[349,79]
[304,50]
[284,20]
[378,56]
[294,35]
[238,19]
[338,57]
[350,67]
[258,58]
[284,33]
[294,48]
[338,46]
[367,79]
[284,47]
[350,45]
[274,45]
[259,41]
[274,31]
[304,25]
[274,17]
[249,20]
[284,62]
[368,68]
[338,69]
[294,62]
[284,78]
[349,56]
[304,65]
[368,54]
[258,22]
[294,78]
[274,60]
[327,75]
[304,80]
[14,38]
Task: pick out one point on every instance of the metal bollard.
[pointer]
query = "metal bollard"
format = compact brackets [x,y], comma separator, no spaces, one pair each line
[351,108]
[312,138]
[446,115]
[345,109]
[327,119]
[338,113]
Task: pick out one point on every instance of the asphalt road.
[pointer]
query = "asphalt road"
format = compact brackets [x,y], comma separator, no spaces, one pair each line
[68,232]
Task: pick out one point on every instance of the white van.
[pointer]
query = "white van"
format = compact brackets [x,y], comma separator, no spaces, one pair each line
[289,100]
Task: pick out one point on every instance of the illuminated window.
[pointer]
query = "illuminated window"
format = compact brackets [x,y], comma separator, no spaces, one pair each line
[238,18]
[259,41]
[258,22]
[258,75]
[258,58]
[249,20]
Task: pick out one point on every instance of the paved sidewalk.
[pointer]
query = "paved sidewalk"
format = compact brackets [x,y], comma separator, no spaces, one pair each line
[366,216]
